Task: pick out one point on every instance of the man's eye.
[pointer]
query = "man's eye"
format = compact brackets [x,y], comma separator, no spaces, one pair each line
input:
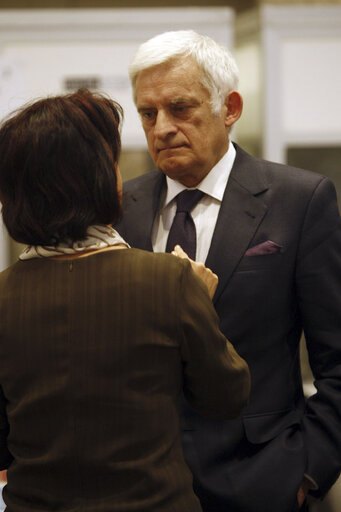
[147,115]
[180,108]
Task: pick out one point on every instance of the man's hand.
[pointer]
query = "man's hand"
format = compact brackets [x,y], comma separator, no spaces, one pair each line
[205,274]
[303,491]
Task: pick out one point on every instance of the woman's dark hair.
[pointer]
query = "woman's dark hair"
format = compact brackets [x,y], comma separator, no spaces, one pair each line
[58,160]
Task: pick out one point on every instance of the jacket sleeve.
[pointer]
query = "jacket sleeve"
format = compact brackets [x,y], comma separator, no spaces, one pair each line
[216,378]
[319,291]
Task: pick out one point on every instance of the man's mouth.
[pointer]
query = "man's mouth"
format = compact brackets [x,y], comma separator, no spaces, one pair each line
[171,148]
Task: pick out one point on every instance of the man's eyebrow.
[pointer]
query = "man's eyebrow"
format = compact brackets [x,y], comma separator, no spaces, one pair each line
[144,107]
[180,99]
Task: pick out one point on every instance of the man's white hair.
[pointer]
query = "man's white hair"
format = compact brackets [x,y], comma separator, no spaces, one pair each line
[220,73]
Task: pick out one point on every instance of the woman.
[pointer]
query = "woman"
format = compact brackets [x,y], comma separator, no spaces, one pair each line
[96,339]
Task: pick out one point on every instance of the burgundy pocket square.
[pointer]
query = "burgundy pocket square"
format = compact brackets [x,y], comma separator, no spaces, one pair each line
[268,247]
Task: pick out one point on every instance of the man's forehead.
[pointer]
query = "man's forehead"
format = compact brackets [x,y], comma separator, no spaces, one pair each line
[179,70]
[178,89]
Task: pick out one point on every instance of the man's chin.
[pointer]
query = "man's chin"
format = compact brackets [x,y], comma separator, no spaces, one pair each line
[182,174]
[172,166]
[173,172]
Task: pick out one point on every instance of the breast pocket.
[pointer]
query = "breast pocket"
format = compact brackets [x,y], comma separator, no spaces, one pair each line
[265,262]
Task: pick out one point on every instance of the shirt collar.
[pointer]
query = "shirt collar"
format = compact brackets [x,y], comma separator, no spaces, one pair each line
[213,184]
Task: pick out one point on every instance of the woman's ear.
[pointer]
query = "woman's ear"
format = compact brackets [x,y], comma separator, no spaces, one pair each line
[234,107]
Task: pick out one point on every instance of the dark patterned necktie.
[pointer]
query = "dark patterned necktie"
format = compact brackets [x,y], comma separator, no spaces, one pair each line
[182,231]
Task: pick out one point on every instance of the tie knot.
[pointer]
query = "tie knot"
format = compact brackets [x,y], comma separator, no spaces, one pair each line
[187,199]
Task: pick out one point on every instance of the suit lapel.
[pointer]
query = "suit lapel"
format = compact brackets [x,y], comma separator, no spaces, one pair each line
[241,212]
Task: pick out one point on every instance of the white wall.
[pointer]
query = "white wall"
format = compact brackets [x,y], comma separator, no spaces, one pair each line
[311,72]
[302,77]
[289,58]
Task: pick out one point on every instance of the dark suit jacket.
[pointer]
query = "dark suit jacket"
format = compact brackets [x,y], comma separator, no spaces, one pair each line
[277,251]
[93,355]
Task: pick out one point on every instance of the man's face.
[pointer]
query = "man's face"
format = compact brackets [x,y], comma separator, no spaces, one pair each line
[185,139]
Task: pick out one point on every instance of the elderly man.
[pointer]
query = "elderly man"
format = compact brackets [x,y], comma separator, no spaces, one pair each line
[272,234]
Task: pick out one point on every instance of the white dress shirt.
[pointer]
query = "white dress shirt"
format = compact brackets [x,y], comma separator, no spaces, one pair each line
[204,214]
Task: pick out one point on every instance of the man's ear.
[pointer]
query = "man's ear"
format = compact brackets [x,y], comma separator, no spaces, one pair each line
[234,107]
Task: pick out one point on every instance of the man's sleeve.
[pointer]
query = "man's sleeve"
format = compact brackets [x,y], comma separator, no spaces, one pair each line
[319,292]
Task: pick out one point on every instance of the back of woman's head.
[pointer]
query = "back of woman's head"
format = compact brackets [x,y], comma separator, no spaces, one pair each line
[58,160]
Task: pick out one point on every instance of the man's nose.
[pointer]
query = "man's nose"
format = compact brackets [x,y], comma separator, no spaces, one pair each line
[164,125]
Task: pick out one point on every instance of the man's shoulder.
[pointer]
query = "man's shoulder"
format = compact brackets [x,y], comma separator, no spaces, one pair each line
[277,173]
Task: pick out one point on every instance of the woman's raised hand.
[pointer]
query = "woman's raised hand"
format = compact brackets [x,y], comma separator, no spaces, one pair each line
[206,275]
